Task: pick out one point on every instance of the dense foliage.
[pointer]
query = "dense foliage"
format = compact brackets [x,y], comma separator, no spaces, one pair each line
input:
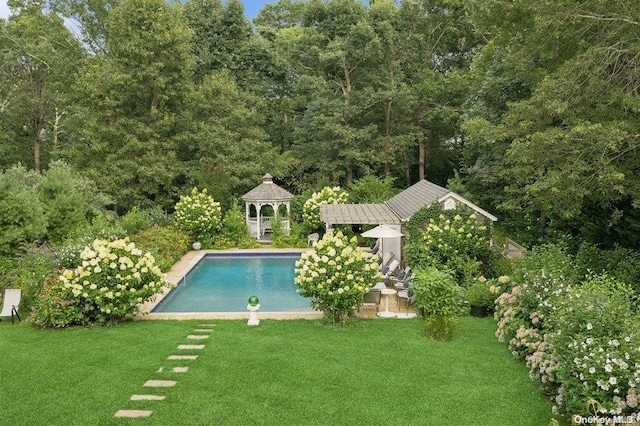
[335,275]
[327,195]
[438,300]
[578,335]
[535,104]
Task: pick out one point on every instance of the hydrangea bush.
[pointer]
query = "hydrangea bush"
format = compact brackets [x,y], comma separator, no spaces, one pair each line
[198,214]
[335,275]
[580,339]
[328,195]
[453,241]
[113,279]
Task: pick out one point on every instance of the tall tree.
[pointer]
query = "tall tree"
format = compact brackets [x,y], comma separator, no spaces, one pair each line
[569,141]
[39,61]
[129,115]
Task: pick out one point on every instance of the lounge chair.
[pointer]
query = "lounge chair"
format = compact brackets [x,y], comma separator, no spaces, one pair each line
[12,298]
[399,279]
[391,270]
[386,259]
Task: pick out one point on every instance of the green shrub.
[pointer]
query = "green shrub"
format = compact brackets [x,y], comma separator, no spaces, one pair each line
[335,275]
[114,278]
[167,244]
[371,189]
[437,298]
[70,200]
[198,215]
[22,217]
[234,228]
[480,294]
[28,271]
[138,219]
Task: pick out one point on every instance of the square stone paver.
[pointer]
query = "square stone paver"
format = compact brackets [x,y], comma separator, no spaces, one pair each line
[147,397]
[182,357]
[133,413]
[180,369]
[190,346]
[159,383]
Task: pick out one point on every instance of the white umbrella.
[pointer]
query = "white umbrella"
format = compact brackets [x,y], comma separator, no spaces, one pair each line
[382,231]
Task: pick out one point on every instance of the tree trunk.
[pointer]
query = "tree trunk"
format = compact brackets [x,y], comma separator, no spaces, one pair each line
[422,153]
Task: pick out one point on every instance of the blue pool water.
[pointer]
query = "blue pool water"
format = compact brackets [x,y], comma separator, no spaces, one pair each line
[224,282]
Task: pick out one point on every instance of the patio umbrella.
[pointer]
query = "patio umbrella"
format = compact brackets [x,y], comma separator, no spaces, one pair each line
[382,231]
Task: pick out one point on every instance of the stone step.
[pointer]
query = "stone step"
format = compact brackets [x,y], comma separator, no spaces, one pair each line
[180,369]
[159,383]
[202,330]
[190,346]
[206,325]
[197,337]
[133,413]
[147,397]
[182,357]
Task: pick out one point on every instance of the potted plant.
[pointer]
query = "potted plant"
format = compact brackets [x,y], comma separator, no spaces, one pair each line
[480,298]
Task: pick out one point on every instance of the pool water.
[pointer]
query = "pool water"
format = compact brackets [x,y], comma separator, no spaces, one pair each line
[224,282]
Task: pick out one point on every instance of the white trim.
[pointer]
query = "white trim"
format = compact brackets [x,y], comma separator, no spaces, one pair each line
[468,204]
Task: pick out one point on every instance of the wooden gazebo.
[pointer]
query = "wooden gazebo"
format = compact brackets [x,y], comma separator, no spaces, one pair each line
[267,194]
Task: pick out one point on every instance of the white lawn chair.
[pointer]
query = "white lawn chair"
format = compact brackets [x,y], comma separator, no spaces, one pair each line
[312,238]
[12,298]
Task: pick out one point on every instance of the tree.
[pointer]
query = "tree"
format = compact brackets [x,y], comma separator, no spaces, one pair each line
[40,58]
[129,112]
[565,143]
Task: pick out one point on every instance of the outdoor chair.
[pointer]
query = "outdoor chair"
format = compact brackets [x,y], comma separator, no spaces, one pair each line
[373,249]
[399,279]
[388,272]
[372,296]
[12,298]
[404,295]
[312,238]
[384,261]
[402,284]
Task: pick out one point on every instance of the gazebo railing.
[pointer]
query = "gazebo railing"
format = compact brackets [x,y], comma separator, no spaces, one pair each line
[265,225]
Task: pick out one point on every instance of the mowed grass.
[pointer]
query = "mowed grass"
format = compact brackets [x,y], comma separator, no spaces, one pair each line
[282,372]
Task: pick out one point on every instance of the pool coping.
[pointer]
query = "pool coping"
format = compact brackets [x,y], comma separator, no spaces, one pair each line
[191,259]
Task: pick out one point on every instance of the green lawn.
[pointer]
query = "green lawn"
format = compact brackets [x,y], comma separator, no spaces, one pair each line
[281,373]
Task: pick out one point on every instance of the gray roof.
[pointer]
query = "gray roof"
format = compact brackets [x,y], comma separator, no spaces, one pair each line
[268,191]
[374,214]
[417,196]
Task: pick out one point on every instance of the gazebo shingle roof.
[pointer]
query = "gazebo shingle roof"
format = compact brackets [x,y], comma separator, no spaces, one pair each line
[268,191]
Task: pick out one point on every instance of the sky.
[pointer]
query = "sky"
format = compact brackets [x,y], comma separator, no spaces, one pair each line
[251,7]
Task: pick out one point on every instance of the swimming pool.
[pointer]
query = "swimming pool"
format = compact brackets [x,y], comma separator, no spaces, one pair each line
[223,282]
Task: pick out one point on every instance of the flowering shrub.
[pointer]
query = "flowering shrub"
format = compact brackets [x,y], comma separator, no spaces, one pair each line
[112,280]
[197,214]
[452,240]
[328,195]
[580,340]
[335,275]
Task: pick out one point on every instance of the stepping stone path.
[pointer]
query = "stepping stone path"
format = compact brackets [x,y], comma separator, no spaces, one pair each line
[147,397]
[191,347]
[133,413]
[204,330]
[197,336]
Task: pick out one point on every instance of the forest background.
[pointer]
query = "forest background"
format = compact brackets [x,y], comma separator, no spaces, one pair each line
[527,108]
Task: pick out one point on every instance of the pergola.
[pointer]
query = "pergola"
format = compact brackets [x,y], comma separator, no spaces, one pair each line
[266,194]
